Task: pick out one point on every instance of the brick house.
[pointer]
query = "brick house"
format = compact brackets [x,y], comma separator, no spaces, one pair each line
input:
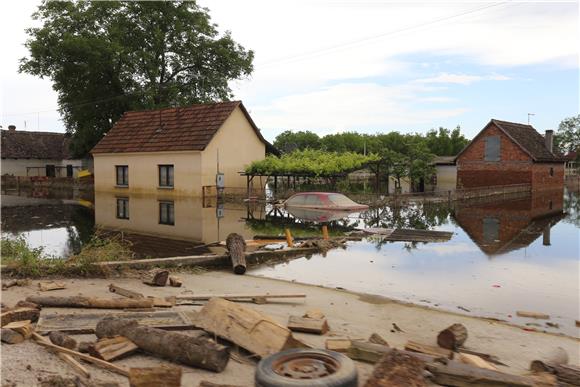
[507,153]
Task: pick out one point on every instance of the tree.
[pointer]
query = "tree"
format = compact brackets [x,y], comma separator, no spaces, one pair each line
[444,142]
[289,141]
[105,58]
[567,137]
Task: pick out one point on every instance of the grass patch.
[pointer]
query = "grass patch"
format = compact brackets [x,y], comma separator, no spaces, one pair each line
[25,261]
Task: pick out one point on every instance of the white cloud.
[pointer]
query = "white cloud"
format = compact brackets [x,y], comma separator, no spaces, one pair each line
[462,79]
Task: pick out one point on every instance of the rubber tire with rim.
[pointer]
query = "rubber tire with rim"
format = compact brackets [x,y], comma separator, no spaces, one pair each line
[346,376]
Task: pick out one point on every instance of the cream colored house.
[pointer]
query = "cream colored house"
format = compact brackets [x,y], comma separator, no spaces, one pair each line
[178,151]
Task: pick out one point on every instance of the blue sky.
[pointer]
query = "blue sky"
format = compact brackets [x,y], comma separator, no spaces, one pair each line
[370,66]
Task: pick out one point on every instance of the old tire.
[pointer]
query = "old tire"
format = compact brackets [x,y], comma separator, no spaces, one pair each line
[306,367]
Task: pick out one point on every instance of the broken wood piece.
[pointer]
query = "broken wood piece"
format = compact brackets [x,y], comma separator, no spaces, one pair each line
[428,349]
[9,336]
[162,303]
[62,340]
[485,356]
[91,302]
[67,358]
[15,282]
[155,377]
[375,338]
[463,375]
[205,383]
[542,316]
[175,281]
[156,277]
[238,297]
[19,314]
[26,304]
[314,313]
[317,326]
[564,373]
[113,348]
[98,362]
[198,352]
[51,285]
[452,337]
[236,246]
[246,327]
[23,327]
[372,353]
[397,368]
[338,345]
[476,361]
[124,292]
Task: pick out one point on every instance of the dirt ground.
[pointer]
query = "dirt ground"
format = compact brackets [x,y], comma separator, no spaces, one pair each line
[349,315]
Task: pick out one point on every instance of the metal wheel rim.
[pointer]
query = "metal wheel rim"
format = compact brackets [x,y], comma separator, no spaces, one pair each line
[305,366]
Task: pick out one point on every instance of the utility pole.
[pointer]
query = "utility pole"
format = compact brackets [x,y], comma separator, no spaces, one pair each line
[529,115]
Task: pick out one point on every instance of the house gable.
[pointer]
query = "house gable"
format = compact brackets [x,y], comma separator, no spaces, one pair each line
[509,150]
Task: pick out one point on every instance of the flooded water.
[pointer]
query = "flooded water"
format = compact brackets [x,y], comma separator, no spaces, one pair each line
[518,253]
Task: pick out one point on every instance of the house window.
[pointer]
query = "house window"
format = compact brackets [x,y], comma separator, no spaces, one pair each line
[123,208]
[551,171]
[492,148]
[166,213]
[122,175]
[166,176]
[490,230]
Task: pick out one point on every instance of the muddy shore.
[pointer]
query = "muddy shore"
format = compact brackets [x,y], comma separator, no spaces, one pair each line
[349,315]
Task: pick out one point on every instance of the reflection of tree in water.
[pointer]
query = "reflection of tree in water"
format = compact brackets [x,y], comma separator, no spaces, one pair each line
[413,216]
[572,207]
[81,229]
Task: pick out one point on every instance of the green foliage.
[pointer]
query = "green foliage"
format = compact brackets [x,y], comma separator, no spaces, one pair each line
[108,57]
[443,142]
[288,141]
[567,137]
[310,162]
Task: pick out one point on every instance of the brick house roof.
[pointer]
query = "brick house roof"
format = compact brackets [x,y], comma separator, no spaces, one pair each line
[19,144]
[526,137]
[172,129]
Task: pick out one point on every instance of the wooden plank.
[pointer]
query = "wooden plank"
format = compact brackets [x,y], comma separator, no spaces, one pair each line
[428,349]
[98,362]
[238,297]
[155,377]
[248,328]
[22,327]
[317,326]
[66,358]
[124,292]
[112,348]
[79,323]
[19,314]
[338,345]
[51,285]
[542,316]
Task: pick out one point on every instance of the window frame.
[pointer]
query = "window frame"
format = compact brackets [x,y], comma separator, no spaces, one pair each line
[125,176]
[487,148]
[169,177]
[125,213]
[167,222]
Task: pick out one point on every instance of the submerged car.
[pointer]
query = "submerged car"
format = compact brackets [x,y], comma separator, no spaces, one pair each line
[323,201]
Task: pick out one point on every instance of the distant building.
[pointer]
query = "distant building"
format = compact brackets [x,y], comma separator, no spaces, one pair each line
[445,177]
[507,153]
[177,151]
[27,153]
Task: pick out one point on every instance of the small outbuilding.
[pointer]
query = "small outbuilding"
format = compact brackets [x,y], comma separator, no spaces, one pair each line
[178,151]
[508,153]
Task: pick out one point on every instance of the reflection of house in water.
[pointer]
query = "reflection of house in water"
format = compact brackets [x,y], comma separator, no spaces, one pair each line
[502,226]
[162,227]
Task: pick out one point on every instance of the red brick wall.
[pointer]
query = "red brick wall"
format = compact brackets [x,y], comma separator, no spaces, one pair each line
[515,166]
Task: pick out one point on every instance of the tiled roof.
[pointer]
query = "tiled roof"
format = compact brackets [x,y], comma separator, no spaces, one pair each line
[20,144]
[528,139]
[175,129]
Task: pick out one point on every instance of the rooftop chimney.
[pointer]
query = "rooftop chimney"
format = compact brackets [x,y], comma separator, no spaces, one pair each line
[12,128]
[549,139]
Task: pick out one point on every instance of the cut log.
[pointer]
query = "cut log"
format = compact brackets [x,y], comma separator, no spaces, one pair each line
[98,362]
[452,337]
[338,345]
[564,373]
[113,348]
[372,353]
[65,357]
[155,377]
[62,340]
[375,338]
[317,326]
[15,282]
[22,327]
[51,285]
[124,292]
[19,314]
[250,329]
[156,277]
[237,297]
[236,247]
[85,346]
[463,375]
[193,351]
[397,369]
[91,302]
[428,349]
[476,361]
[542,316]
[11,337]
[175,281]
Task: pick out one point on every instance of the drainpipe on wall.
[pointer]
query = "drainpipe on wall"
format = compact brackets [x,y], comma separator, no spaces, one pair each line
[549,139]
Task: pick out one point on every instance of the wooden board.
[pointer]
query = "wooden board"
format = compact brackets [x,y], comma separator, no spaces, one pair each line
[318,326]
[428,349]
[79,323]
[112,348]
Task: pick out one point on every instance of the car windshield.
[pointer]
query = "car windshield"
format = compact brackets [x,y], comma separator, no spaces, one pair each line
[298,200]
[341,200]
